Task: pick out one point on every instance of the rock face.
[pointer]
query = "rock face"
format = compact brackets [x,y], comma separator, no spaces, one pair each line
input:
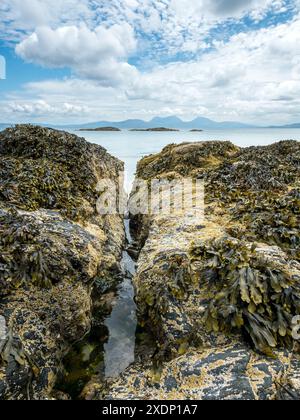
[54,249]
[223,373]
[219,295]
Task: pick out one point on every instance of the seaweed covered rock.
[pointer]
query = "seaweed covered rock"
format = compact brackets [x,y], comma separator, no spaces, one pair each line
[258,190]
[256,289]
[167,289]
[185,159]
[54,250]
[45,168]
[232,278]
[250,194]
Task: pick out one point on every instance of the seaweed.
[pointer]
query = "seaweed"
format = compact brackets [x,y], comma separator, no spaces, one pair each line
[45,168]
[22,258]
[252,195]
[274,219]
[184,158]
[258,188]
[255,293]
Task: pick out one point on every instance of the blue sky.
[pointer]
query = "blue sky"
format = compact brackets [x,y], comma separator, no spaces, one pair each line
[71,61]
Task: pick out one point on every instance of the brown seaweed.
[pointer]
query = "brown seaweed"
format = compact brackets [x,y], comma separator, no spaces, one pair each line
[255,293]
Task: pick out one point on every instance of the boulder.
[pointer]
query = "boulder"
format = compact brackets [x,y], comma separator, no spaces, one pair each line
[55,249]
[231,372]
[219,295]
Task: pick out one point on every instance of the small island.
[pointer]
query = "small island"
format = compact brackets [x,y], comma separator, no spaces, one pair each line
[100,129]
[154,129]
[196,130]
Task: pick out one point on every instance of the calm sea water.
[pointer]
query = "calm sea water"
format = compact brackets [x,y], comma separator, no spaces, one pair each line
[131,146]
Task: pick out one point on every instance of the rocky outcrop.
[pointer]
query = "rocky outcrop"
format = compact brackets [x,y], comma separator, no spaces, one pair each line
[100,129]
[55,249]
[156,129]
[229,372]
[219,295]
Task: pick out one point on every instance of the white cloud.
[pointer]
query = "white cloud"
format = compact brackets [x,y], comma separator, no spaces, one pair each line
[100,54]
[181,25]
[250,76]
[224,8]
[254,77]
[254,74]
[42,108]
[19,16]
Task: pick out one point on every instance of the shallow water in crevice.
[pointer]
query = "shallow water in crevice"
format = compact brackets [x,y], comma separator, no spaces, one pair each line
[110,347]
[122,323]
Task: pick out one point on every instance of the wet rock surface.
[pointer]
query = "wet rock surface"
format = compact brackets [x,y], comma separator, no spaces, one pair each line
[219,295]
[3,332]
[55,250]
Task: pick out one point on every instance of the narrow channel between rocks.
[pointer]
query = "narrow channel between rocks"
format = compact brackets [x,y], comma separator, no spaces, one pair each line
[109,348]
[122,323]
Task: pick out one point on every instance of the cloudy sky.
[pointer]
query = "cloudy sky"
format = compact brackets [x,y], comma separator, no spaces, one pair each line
[89,60]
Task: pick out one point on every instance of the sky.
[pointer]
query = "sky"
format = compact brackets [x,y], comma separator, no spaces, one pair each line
[75,61]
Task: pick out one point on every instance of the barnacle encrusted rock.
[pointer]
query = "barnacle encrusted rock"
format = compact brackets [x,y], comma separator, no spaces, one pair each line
[44,168]
[54,249]
[227,286]
[230,372]
[243,189]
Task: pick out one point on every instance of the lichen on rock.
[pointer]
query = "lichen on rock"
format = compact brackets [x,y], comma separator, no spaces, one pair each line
[233,177]
[54,250]
[230,372]
[45,168]
[219,296]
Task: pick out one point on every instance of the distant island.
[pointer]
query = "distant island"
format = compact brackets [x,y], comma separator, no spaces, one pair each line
[196,130]
[100,129]
[154,129]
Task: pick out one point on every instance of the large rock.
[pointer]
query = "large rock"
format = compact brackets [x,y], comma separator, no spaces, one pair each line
[230,372]
[228,286]
[54,249]
[174,281]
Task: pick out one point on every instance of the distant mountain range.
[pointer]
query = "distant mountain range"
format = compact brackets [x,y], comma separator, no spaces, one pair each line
[168,122]
[297,125]
[200,123]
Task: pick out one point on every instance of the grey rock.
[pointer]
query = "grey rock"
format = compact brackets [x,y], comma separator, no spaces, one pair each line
[54,249]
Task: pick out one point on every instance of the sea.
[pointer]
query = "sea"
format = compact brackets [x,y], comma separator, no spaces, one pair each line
[130,146]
